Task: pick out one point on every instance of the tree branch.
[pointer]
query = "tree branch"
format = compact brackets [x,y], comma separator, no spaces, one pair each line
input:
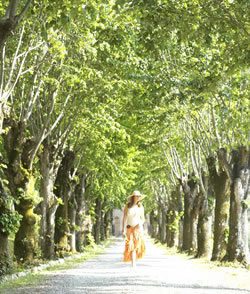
[59,117]
[26,6]
[215,127]
[222,156]
[12,8]
[15,58]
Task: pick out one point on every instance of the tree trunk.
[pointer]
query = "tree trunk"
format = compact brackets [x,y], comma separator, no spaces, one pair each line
[88,230]
[194,222]
[6,28]
[177,221]
[159,228]
[63,190]
[179,209]
[49,253]
[190,189]
[193,229]
[204,229]
[180,237]
[237,249]
[88,220]
[168,227]
[5,259]
[221,187]
[81,212]
[172,228]
[186,224]
[26,239]
[48,168]
[163,226]
[107,222]
[21,184]
[61,230]
[97,225]
[152,224]
[72,221]
[204,217]
[102,224]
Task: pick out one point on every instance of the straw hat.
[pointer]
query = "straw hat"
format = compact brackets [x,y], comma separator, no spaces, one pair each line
[136,193]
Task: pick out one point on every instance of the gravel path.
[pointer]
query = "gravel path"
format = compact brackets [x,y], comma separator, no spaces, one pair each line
[156,273]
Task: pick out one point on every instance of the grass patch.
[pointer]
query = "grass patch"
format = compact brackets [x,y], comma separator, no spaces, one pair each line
[70,262]
[28,279]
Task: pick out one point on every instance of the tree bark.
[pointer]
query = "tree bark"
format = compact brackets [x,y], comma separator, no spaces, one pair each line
[177,236]
[108,224]
[194,222]
[180,210]
[5,260]
[204,229]
[26,239]
[152,224]
[186,221]
[63,190]
[190,189]
[180,237]
[237,248]
[97,225]
[6,27]
[204,218]
[81,211]
[159,228]
[172,229]
[102,223]
[88,219]
[221,187]
[21,184]
[163,225]
[173,207]
[49,165]
[72,221]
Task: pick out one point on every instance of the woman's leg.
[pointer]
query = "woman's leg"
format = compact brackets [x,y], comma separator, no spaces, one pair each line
[134,259]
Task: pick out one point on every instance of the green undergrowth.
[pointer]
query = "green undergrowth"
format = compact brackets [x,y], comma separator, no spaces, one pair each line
[34,278]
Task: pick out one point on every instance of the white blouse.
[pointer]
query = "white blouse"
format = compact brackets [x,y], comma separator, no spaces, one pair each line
[135,216]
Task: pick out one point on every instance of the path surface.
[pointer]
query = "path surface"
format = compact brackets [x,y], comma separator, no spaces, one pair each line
[155,274]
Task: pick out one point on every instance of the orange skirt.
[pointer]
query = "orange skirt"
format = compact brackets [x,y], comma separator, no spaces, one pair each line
[134,241]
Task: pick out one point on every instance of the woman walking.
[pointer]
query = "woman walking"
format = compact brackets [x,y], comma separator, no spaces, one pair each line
[133,219]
